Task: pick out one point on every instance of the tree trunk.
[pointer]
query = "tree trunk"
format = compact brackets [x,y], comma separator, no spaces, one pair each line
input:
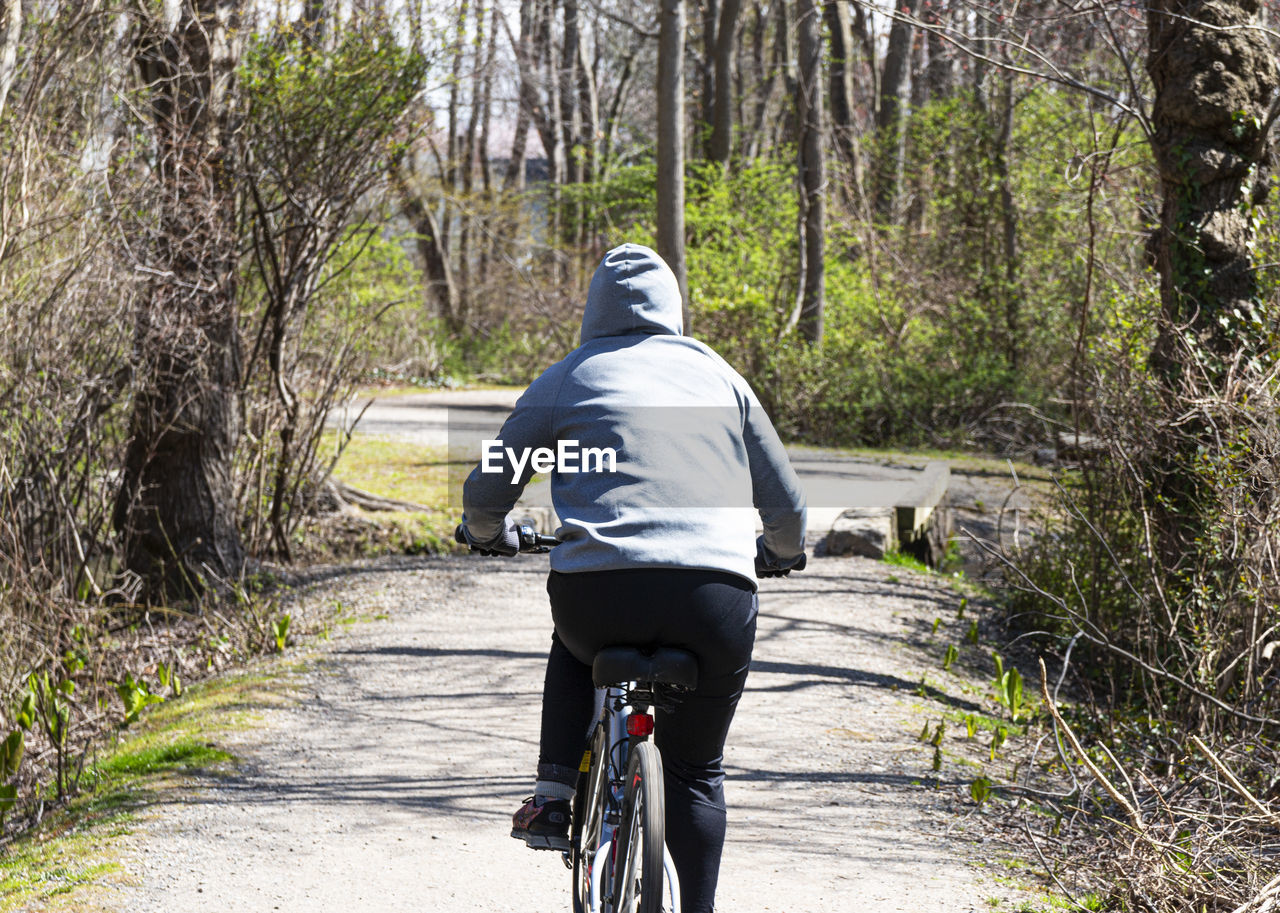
[175,509]
[1213,78]
[470,153]
[528,107]
[616,105]
[721,144]
[441,289]
[784,49]
[766,76]
[670,191]
[1214,73]
[552,136]
[513,178]
[862,31]
[10,35]
[938,72]
[913,179]
[710,10]
[571,122]
[589,112]
[452,141]
[1012,291]
[812,170]
[315,21]
[486,107]
[889,114]
[483,159]
[840,78]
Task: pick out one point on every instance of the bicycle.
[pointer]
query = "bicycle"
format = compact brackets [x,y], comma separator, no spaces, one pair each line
[617,846]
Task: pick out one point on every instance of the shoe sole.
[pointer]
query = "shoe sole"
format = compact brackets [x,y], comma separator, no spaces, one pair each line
[541,841]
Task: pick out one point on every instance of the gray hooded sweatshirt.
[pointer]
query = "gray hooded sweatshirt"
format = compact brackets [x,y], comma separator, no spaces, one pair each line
[662,451]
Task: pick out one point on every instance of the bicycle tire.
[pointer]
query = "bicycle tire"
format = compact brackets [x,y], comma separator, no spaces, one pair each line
[588,814]
[637,883]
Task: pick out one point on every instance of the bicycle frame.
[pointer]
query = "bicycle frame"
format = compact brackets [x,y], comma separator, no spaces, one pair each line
[614,717]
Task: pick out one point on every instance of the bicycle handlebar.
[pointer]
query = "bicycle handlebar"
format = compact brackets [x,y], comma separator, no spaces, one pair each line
[531,541]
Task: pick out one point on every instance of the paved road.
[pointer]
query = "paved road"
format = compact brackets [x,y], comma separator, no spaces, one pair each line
[387,781]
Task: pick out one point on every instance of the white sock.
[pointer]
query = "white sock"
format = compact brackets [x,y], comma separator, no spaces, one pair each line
[546,790]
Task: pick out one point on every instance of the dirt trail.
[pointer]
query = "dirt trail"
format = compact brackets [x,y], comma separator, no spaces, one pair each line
[387,782]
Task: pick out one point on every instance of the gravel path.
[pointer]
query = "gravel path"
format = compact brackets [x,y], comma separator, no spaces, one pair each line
[387,781]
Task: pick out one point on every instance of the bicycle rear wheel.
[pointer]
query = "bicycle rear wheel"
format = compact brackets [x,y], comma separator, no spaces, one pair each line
[588,816]
[637,885]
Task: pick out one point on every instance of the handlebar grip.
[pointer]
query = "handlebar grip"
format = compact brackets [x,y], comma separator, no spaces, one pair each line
[529,538]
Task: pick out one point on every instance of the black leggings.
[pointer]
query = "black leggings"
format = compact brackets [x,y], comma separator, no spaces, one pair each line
[712,614]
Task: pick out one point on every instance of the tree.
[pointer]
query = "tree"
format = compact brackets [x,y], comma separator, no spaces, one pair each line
[808,316]
[670,190]
[893,82]
[1214,74]
[721,141]
[10,35]
[175,508]
[840,92]
[322,129]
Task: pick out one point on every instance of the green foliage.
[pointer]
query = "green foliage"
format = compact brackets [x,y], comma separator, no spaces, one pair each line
[949,657]
[929,333]
[25,714]
[280,632]
[11,750]
[998,737]
[322,125]
[136,760]
[980,789]
[918,339]
[136,695]
[168,678]
[1008,688]
[895,558]
[327,103]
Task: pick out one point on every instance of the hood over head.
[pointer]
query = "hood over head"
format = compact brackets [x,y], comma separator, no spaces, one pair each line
[633,291]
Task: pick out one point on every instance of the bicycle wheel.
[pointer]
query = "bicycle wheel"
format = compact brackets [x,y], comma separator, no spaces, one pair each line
[637,885]
[588,816]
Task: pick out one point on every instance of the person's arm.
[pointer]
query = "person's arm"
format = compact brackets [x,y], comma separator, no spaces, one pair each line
[776,490]
[487,497]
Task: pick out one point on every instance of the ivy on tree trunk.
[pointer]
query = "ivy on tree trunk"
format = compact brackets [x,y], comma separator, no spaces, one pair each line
[1214,74]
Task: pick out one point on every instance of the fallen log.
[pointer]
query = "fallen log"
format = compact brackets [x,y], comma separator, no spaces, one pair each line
[349,496]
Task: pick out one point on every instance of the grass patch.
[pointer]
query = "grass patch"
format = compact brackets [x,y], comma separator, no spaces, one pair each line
[982,723]
[395,469]
[903,560]
[185,753]
[71,859]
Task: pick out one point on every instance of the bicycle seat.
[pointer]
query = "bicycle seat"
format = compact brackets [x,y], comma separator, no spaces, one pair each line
[659,666]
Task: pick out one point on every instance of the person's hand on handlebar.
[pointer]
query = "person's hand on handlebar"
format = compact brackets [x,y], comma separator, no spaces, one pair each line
[505,544]
[768,565]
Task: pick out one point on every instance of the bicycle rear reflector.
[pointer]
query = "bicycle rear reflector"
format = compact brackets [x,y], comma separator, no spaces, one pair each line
[639,725]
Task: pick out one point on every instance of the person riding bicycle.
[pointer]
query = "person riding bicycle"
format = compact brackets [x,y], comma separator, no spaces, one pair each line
[658,542]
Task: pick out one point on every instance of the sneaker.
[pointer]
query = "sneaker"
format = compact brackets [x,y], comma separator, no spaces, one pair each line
[542,827]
